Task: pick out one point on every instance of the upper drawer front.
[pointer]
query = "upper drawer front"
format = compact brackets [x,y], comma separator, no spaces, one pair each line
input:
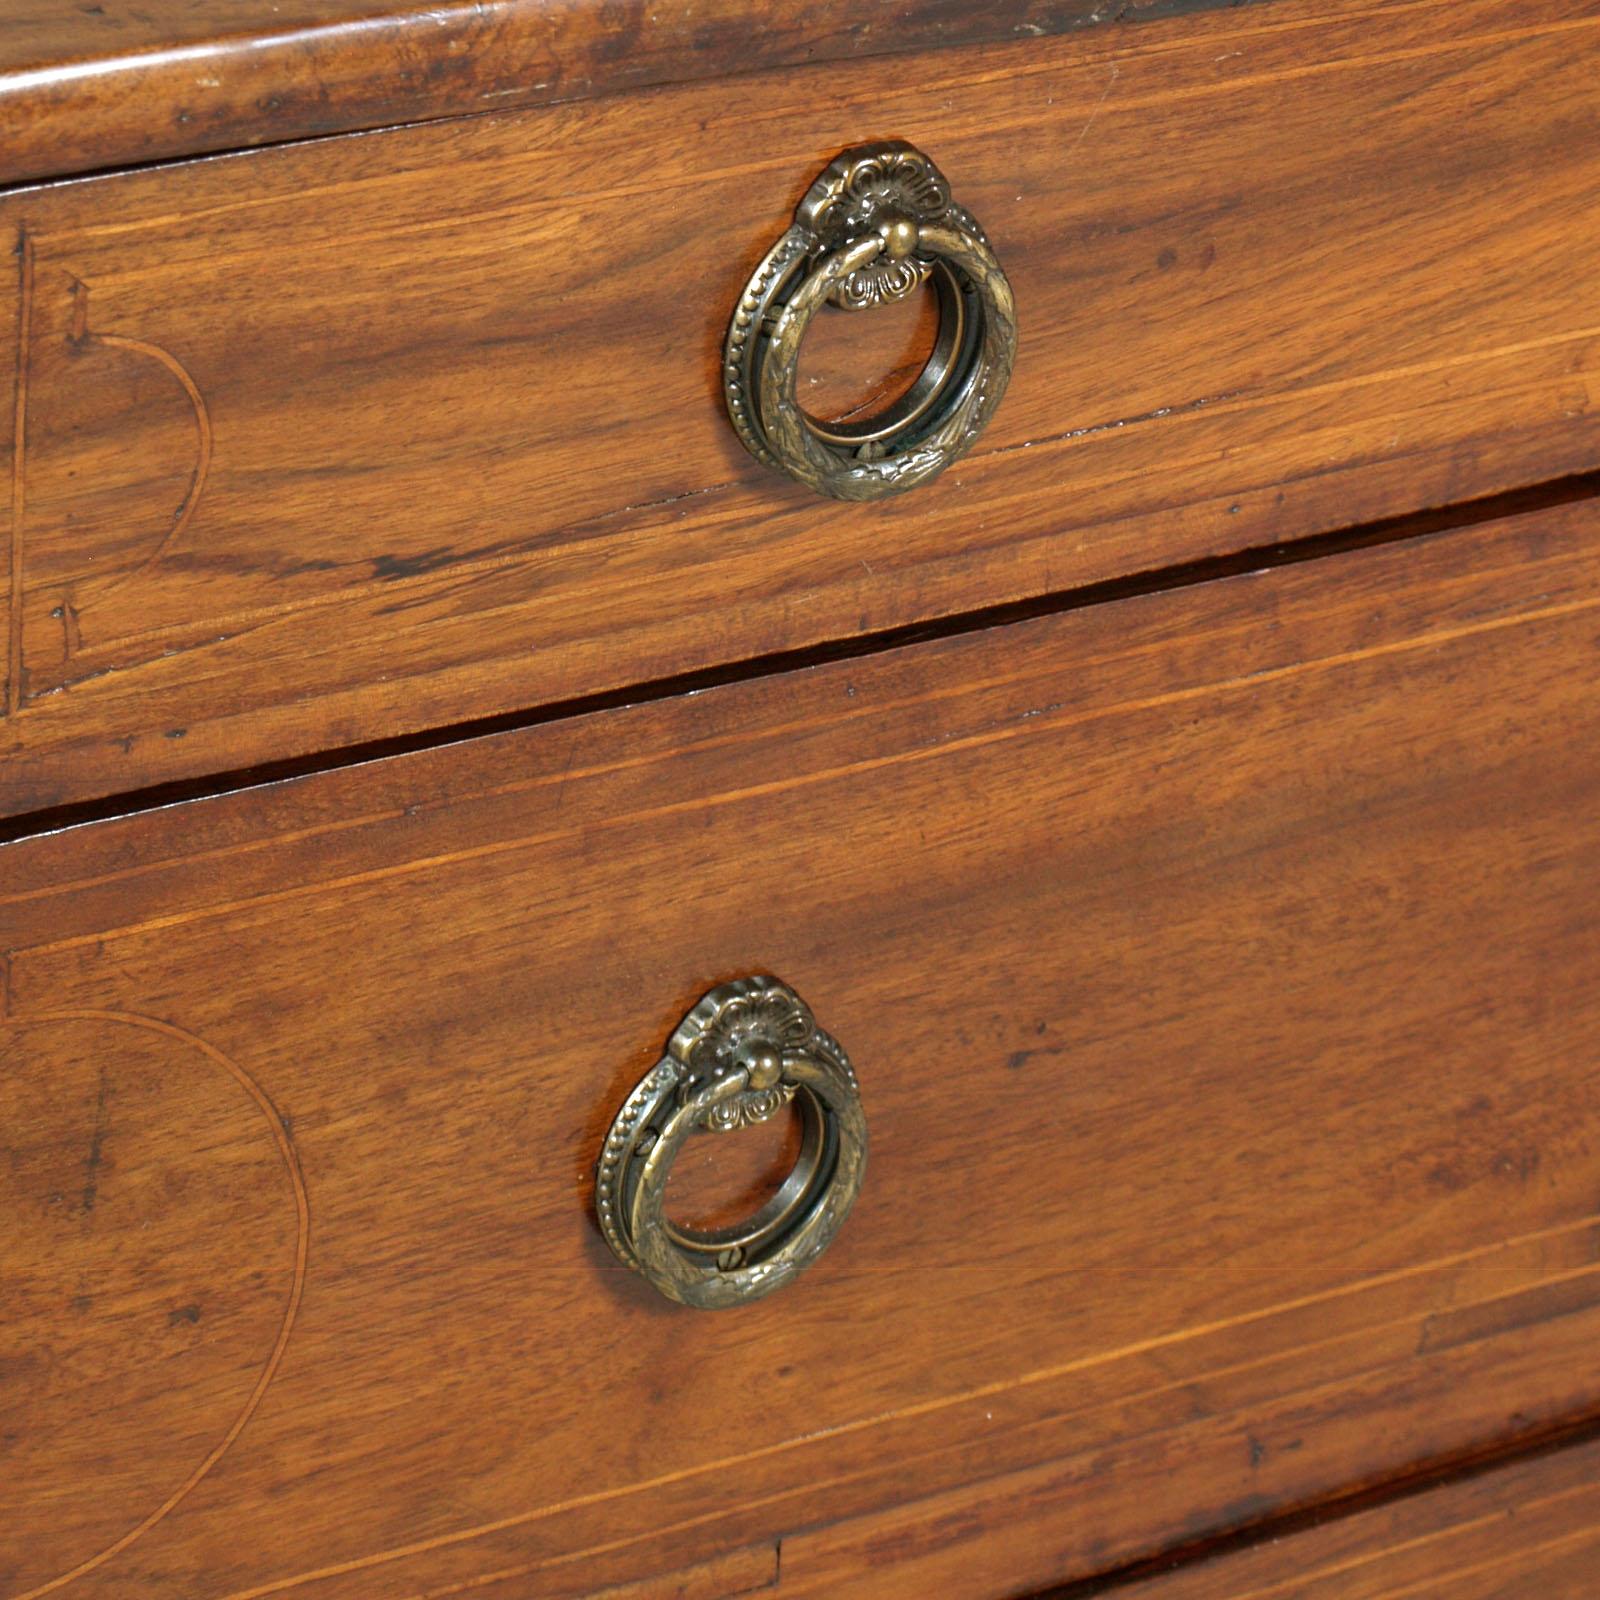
[323,444]
[1222,975]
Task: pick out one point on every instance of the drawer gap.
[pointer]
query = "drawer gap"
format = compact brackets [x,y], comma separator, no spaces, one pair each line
[1435,1476]
[1438,521]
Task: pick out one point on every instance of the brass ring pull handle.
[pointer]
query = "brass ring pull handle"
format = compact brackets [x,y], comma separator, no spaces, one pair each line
[876,226]
[745,1051]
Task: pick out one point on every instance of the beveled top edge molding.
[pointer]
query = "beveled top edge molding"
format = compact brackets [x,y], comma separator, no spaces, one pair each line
[87,89]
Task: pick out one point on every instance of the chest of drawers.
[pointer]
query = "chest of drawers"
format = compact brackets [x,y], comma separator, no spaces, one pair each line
[478,817]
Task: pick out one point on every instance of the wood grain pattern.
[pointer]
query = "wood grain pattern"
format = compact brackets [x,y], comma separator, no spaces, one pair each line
[91,86]
[1532,1529]
[741,1572]
[1221,970]
[330,444]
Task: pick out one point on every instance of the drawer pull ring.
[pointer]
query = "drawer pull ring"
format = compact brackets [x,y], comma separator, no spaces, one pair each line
[745,1051]
[876,226]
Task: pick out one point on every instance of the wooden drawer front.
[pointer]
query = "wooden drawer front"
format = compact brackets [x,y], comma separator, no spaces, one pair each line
[322,444]
[1222,972]
[1523,1531]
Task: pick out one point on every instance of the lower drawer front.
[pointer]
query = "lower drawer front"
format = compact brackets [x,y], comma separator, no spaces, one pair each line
[1220,967]
[1525,1532]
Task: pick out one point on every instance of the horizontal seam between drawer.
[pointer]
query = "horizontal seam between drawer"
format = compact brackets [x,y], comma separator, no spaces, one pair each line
[1100,1359]
[1545,1443]
[1037,725]
[1255,561]
[1081,30]
[999,74]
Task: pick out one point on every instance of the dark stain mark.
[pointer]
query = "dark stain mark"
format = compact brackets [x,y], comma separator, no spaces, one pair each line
[387,568]
[78,331]
[1167,259]
[189,1314]
[1018,1059]
[1246,1509]
[91,1167]
[1258,1452]
[81,1303]
[1209,1523]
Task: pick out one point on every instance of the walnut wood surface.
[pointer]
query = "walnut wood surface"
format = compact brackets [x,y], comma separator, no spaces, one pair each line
[1526,1532]
[329,444]
[90,86]
[1223,973]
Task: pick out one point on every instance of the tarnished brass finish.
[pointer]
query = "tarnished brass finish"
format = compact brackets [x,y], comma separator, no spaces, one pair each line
[877,225]
[745,1051]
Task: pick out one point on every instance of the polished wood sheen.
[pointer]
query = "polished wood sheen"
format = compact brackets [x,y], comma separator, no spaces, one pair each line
[324,445]
[87,86]
[1524,1532]
[1221,968]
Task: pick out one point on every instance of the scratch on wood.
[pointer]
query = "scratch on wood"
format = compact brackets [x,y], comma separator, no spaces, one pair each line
[1182,408]
[1105,94]
[566,772]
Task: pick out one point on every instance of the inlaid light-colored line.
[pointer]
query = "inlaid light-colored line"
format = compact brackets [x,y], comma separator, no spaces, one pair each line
[836,1480]
[568,1558]
[1430,1585]
[1031,728]
[186,507]
[1009,73]
[1301,1581]
[202,467]
[1293,1586]
[968,1396]
[291,1162]
[970,685]
[592,529]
